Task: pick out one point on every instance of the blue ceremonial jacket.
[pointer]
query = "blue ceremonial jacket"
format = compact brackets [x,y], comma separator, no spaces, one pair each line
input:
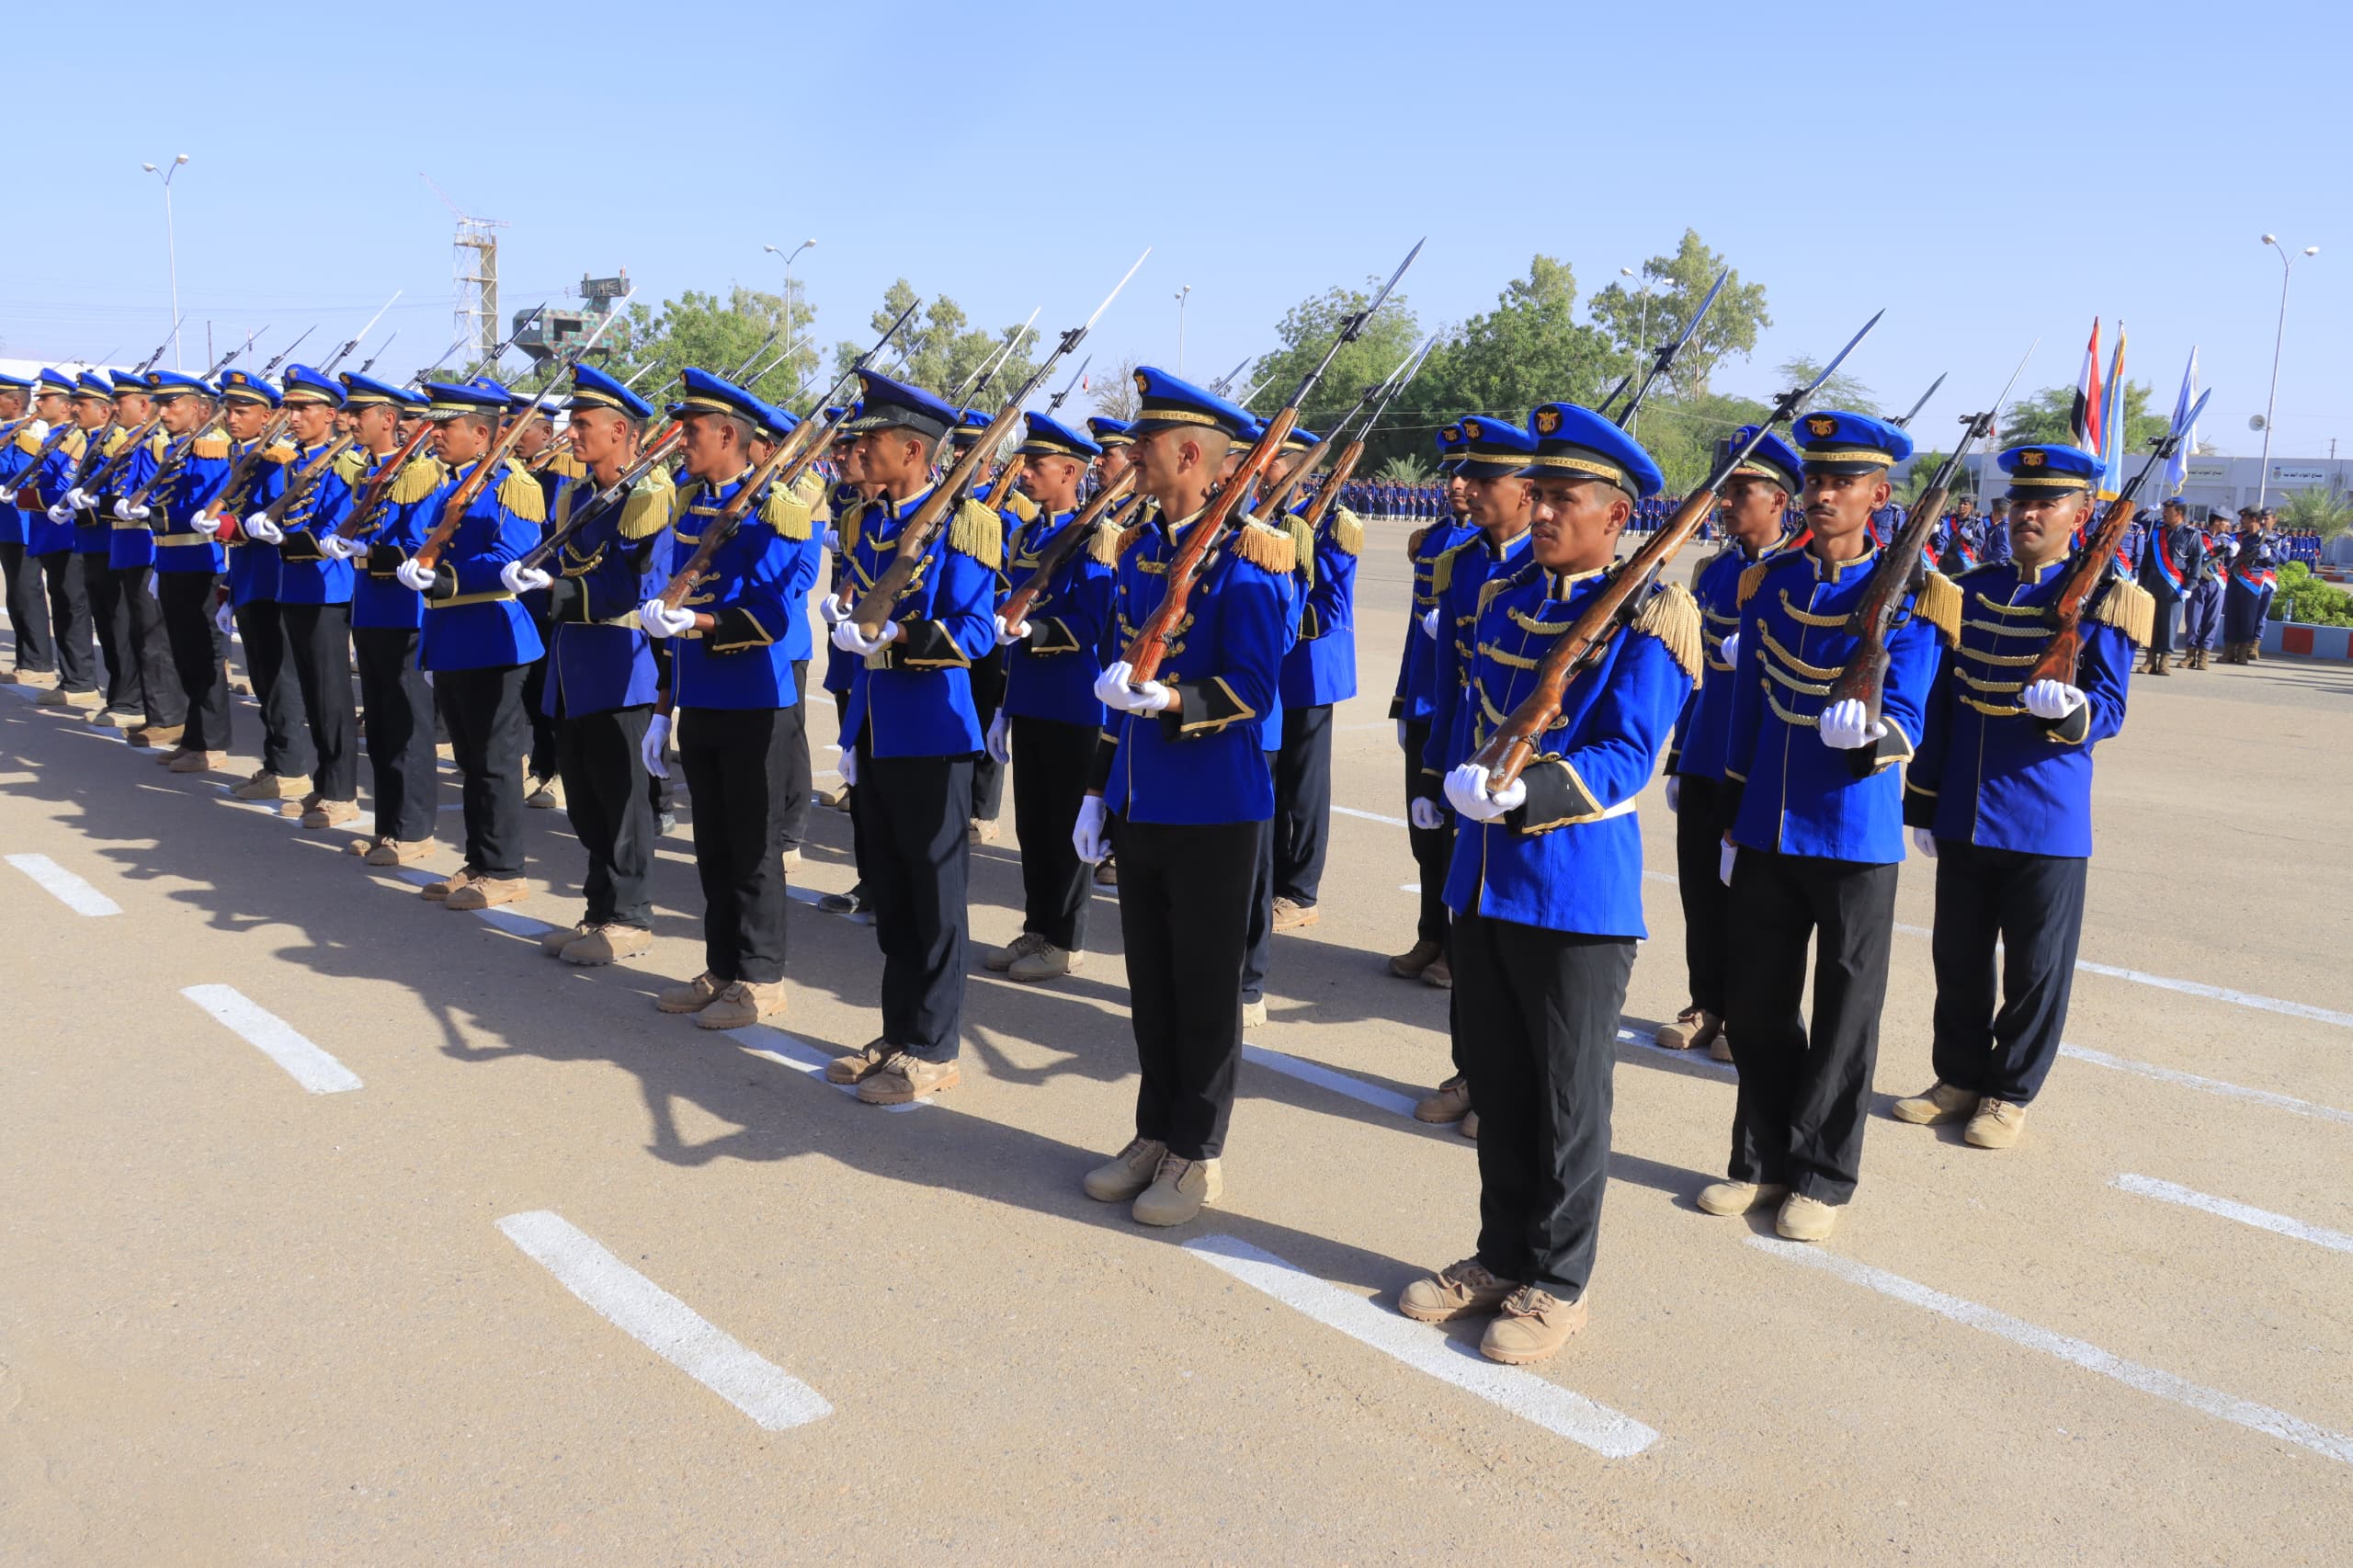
[599,658]
[379,600]
[472,622]
[841,501]
[253,566]
[1457,579]
[1797,795]
[1570,857]
[1322,667]
[19,445]
[199,467]
[1416,698]
[1052,673]
[306,574]
[918,692]
[94,530]
[50,478]
[130,546]
[1991,774]
[1209,765]
[1704,727]
[757,581]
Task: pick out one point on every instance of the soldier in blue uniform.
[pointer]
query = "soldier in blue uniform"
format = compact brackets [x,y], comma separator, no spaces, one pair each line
[1258,954]
[2000,798]
[31,409]
[2205,562]
[1752,509]
[2247,592]
[1546,888]
[987,674]
[314,588]
[254,572]
[809,492]
[179,481]
[550,466]
[1318,671]
[161,713]
[733,696]
[1112,436]
[387,619]
[93,541]
[1052,718]
[1997,535]
[53,536]
[2161,577]
[1182,769]
[910,734]
[1813,809]
[476,640]
[1412,706]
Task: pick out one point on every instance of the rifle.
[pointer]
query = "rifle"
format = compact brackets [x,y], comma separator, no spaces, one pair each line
[279,358]
[222,363]
[114,465]
[453,511]
[1221,385]
[1513,745]
[149,363]
[1905,423]
[1151,642]
[787,463]
[498,350]
[241,476]
[372,500]
[1407,369]
[369,363]
[874,610]
[1399,380]
[2065,649]
[1056,401]
[298,482]
[976,383]
[650,458]
[1665,356]
[353,340]
[1025,598]
[453,347]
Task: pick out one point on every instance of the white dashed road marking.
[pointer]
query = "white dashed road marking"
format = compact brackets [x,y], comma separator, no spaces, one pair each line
[1329,1078]
[663,1324]
[1426,1349]
[274,1038]
[2244,1413]
[2246,1214]
[65,886]
[2208,1086]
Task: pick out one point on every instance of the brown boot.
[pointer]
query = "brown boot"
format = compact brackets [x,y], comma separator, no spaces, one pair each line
[197,762]
[392,852]
[1941,1102]
[857,1066]
[1120,1178]
[1531,1325]
[1459,1291]
[486,893]
[1692,1028]
[1440,973]
[157,737]
[1445,1105]
[741,1004]
[331,814]
[1409,964]
[691,997]
[1291,915]
[904,1079]
[609,944]
[265,786]
[560,937]
[439,891]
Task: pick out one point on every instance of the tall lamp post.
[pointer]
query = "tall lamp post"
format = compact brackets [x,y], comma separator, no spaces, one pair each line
[170,247]
[2279,337]
[787,284]
[1182,295]
[1641,333]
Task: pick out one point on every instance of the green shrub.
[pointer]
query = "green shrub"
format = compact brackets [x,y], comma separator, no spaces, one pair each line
[2304,598]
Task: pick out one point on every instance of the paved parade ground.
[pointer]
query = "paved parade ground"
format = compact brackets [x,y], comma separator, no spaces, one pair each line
[348,1229]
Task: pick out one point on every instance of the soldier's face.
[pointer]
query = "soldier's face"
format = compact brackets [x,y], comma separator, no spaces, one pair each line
[1839,506]
[90,413]
[1458,496]
[245,419]
[1052,482]
[534,438]
[894,455]
[131,408]
[1113,463]
[379,426]
[1751,510]
[1573,523]
[2041,529]
[462,440]
[11,404]
[50,406]
[1499,505]
[599,435]
[182,415]
[311,422]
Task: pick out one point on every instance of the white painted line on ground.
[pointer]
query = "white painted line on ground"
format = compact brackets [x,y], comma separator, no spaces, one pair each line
[2246,1214]
[790,1050]
[1370,816]
[1409,887]
[274,1038]
[518,924]
[2219,993]
[1526,1395]
[65,886]
[1330,1078]
[2075,1352]
[772,1397]
[2208,1086]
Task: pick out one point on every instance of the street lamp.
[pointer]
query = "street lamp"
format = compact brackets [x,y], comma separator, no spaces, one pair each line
[1641,334]
[1182,294]
[170,247]
[2271,404]
[787,284]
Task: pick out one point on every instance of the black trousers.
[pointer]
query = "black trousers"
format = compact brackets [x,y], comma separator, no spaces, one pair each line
[198,652]
[484,711]
[599,757]
[163,700]
[1433,847]
[285,733]
[1804,1090]
[734,758]
[857,828]
[1302,802]
[988,695]
[1184,914]
[1707,902]
[2034,905]
[1258,930]
[1536,1030]
[399,732]
[110,614]
[541,760]
[69,621]
[1050,762]
[28,609]
[915,858]
[318,646]
[792,822]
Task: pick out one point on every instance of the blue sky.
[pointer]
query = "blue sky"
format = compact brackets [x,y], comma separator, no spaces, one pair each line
[1940,161]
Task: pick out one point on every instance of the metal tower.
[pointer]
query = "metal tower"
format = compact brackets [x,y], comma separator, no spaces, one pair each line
[474,281]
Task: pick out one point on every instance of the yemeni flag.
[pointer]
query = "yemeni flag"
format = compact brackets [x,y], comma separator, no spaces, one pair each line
[2088,420]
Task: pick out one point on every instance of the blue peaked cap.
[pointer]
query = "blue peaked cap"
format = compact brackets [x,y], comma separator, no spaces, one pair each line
[362,392]
[177,383]
[303,385]
[2043,469]
[1449,446]
[1773,458]
[1493,448]
[969,422]
[703,392]
[53,382]
[481,397]
[242,386]
[1569,441]
[1107,432]
[1164,400]
[1049,437]
[89,383]
[591,388]
[1838,442]
[775,423]
[894,405]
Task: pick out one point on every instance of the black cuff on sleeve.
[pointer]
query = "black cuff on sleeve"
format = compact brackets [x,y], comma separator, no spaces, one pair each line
[567,600]
[2071,730]
[734,629]
[300,547]
[445,584]
[1098,776]
[926,645]
[385,559]
[1049,635]
[1728,805]
[1556,796]
[1920,806]
[1205,708]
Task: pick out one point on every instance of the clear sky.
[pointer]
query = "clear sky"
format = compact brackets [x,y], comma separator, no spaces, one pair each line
[1989,172]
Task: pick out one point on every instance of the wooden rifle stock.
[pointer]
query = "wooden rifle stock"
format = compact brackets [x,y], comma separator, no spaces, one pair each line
[241,474]
[114,465]
[2065,649]
[299,483]
[372,500]
[1327,498]
[1025,598]
[174,458]
[647,462]
[786,464]
[461,500]
[875,605]
[1151,642]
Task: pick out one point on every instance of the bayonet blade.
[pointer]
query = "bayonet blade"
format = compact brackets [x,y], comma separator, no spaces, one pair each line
[1112,295]
[1905,423]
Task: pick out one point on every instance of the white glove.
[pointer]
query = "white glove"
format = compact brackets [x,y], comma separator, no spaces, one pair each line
[657,735]
[850,767]
[999,752]
[1400,735]
[1723,864]
[1466,788]
[79,499]
[660,621]
[1844,728]
[517,578]
[1006,636]
[1925,842]
[412,575]
[2052,699]
[226,617]
[833,539]
[1730,648]
[1091,837]
[1429,624]
[61,513]
[1425,814]
[7,495]
[260,527]
[850,640]
[1674,792]
[40,429]
[1112,689]
[130,514]
[335,545]
[831,611]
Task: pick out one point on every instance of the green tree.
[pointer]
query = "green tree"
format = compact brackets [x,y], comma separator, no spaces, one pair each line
[1638,319]
[939,351]
[2046,418]
[715,335]
[1841,390]
[2324,512]
[1306,331]
[1403,471]
[1681,433]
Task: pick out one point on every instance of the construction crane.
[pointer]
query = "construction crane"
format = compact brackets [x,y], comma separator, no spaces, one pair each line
[475,273]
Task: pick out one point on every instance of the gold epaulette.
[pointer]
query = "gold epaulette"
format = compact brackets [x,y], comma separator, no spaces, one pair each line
[1494,586]
[1938,604]
[1022,507]
[521,495]
[28,440]
[565,465]
[1413,540]
[1442,569]
[1672,616]
[786,513]
[158,444]
[1754,578]
[1348,532]
[212,448]
[116,439]
[421,478]
[848,526]
[2131,609]
[1303,546]
[1127,540]
[1269,550]
[977,532]
[649,508]
[1107,543]
[281,453]
[77,442]
[351,463]
[810,490]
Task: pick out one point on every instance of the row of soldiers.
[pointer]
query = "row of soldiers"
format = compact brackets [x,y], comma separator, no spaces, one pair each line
[2210,585]
[677,614]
